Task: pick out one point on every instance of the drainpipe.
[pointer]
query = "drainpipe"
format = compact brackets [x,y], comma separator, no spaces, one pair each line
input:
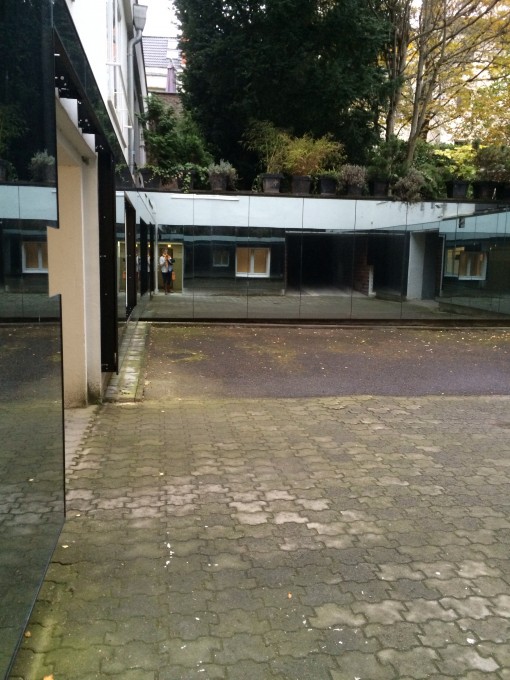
[139,17]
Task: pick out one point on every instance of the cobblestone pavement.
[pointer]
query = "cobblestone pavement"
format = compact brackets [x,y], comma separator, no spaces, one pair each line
[336,538]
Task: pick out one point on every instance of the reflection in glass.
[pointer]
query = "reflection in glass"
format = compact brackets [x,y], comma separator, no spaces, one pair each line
[452,267]
[476,278]
[31,470]
[31,431]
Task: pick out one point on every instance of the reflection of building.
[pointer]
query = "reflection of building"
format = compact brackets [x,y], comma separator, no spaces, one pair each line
[163,63]
[423,252]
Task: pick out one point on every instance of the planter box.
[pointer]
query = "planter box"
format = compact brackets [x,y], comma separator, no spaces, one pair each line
[218,182]
[327,186]
[484,190]
[271,183]
[354,189]
[457,188]
[301,184]
[379,187]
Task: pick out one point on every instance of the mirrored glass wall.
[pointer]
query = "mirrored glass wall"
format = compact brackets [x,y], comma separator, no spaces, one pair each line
[293,259]
[31,429]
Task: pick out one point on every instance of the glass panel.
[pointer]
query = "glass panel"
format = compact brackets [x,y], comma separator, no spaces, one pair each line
[31,255]
[337,263]
[475,281]
[31,431]
[242,261]
[260,261]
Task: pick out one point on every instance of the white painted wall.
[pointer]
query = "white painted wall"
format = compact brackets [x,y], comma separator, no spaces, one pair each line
[284,212]
[90,20]
[73,263]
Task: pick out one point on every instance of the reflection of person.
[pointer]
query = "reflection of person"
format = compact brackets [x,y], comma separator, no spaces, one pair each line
[166,264]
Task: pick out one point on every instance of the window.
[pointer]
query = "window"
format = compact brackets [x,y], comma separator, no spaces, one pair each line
[466,265]
[34,257]
[221,258]
[115,52]
[253,262]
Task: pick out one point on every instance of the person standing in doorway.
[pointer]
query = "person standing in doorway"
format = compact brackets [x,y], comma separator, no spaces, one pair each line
[166,263]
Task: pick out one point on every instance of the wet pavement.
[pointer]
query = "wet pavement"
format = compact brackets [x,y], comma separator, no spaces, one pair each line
[264,513]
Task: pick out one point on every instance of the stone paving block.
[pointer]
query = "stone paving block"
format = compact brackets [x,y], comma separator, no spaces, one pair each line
[399,636]
[494,629]
[317,666]
[299,644]
[441,634]
[331,614]
[457,660]
[359,665]
[244,646]
[415,663]
[423,610]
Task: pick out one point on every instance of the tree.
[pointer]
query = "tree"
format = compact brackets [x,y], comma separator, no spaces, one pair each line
[307,66]
[170,140]
[481,110]
[454,45]
[394,54]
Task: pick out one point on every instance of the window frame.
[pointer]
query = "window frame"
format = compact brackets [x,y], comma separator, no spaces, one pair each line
[457,253]
[221,254]
[251,273]
[42,256]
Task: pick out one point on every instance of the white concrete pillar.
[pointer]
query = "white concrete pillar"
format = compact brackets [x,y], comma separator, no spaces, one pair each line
[73,255]
[416,266]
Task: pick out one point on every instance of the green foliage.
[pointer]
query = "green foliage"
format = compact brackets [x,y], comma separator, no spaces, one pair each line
[269,143]
[354,175]
[172,142]
[223,168]
[457,162]
[410,187]
[492,163]
[387,160]
[11,126]
[307,66]
[42,166]
[426,163]
[279,151]
[308,156]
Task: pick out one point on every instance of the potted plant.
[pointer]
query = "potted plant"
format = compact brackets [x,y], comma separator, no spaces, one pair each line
[269,143]
[307,156]
[42,167]
[385,165]
[327,182]
[153,176]
[175,148]
[458,168]
[353,178]
[492,165]
[221,175]
[410,187]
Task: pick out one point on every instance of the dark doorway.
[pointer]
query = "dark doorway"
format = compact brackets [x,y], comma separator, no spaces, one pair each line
[319,260]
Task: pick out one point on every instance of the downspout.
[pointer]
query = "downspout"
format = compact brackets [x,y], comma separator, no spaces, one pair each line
[131,97]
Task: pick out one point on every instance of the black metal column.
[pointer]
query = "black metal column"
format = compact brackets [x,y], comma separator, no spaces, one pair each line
[107,263]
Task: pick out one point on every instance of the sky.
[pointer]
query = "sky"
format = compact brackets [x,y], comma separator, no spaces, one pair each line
[161,19]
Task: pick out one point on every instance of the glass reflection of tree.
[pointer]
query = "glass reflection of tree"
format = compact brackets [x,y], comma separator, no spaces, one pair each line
[26,83]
